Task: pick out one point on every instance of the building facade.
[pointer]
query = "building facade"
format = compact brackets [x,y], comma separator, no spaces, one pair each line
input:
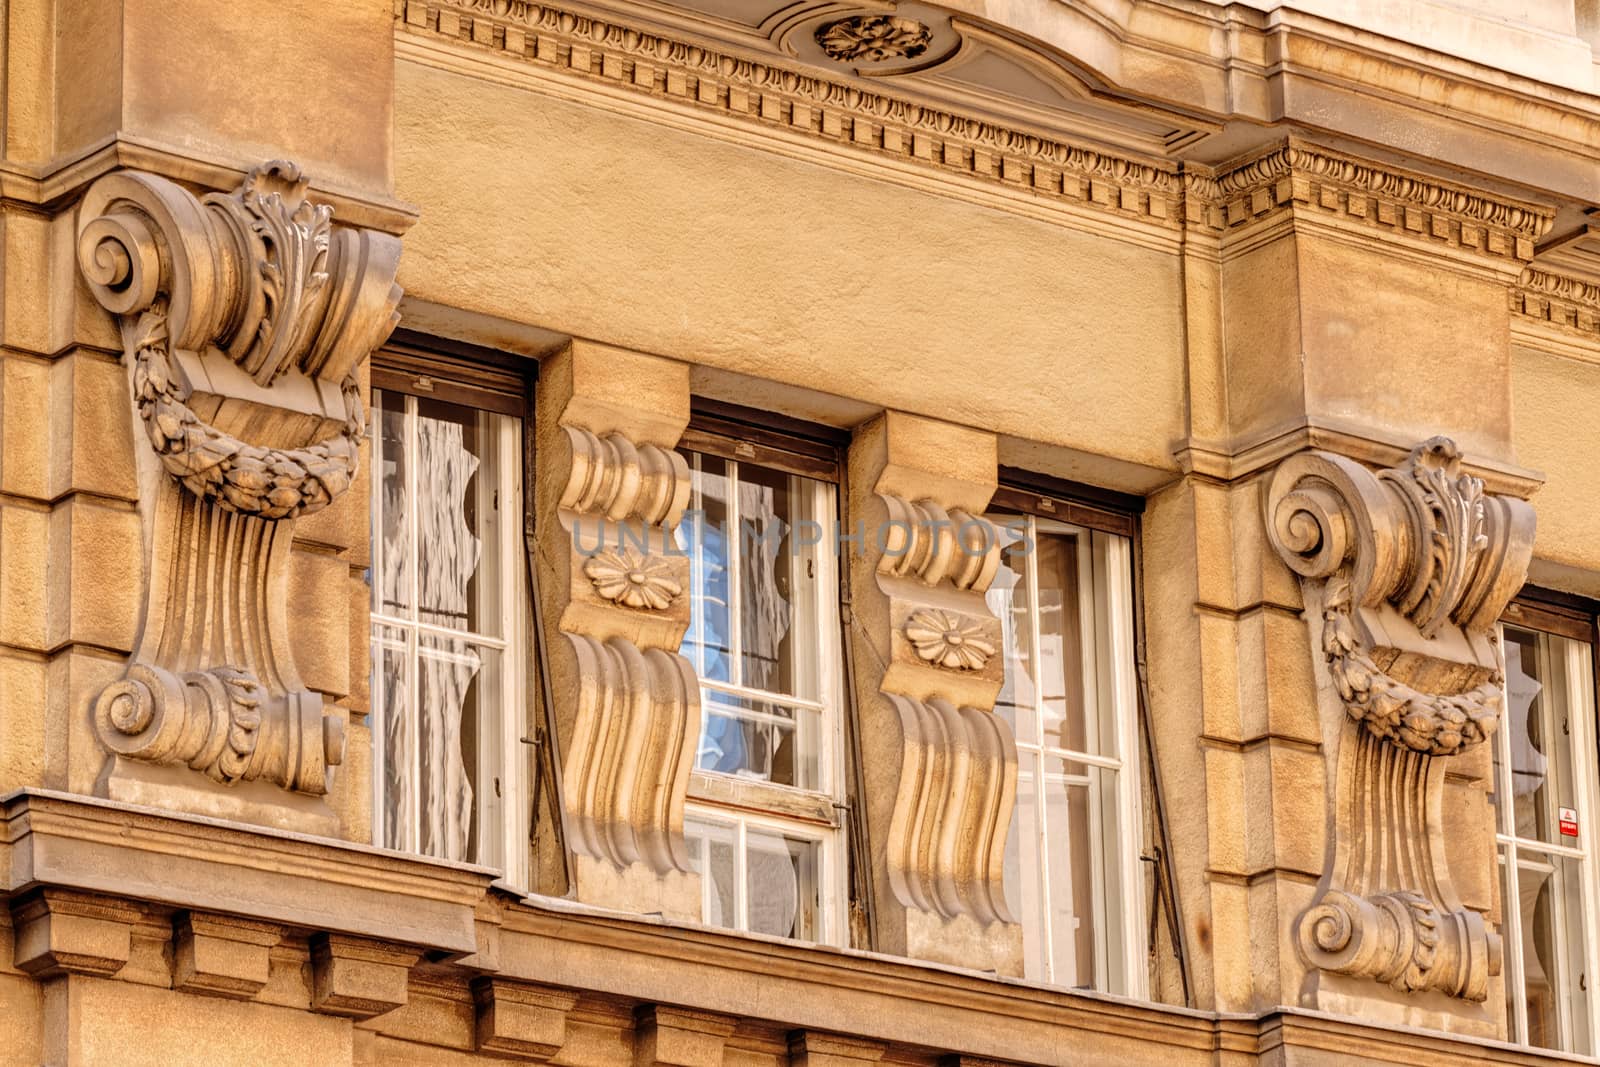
[727,532]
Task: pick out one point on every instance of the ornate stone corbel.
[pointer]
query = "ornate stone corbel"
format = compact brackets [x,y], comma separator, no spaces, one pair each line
[1409,569]
[615,588]
[941,766]
[245,310]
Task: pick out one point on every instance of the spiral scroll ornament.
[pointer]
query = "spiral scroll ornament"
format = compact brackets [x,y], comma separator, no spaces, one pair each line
[261,275]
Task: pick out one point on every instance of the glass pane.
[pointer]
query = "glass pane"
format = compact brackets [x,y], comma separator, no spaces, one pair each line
[1084,876]
[703,536]
[1550,904]
[1008,599]
[393,682]
[1061,665]
[711,853]
[458,687]
[391,543]
[778,652]
[458,508]
[759,739]
[1539,732]
[1024,875]
[782,883]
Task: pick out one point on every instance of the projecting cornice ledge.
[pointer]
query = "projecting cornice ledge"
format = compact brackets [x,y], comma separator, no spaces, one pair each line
[61,841]
[439,955]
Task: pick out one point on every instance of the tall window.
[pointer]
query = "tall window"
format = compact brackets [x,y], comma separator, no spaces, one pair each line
[1545,781]
[762,826]
[448,617]
[1065,599]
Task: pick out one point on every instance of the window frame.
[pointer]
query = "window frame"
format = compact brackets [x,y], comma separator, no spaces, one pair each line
[1092,511]
[1577,620]
[746,436]
[418,367]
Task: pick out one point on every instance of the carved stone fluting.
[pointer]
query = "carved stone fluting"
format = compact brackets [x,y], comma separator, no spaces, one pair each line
[627,768]
[940,766]
[612,492]
[1409,569]
[931,543]
[948,834]
[253,308]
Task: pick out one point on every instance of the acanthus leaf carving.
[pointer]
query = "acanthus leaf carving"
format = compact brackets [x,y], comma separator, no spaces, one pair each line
[1410,568]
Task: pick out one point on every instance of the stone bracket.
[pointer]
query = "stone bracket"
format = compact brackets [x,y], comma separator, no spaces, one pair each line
[1409,568]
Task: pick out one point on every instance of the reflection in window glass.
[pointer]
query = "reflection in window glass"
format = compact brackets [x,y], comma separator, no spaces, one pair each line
[1063,598]
[763,637]
[445,579]
[756,877]
[1543,770]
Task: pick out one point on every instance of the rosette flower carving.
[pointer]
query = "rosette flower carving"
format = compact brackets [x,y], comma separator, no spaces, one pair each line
[946,639]
[631,579]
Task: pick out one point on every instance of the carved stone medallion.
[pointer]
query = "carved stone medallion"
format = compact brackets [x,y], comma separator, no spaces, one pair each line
[874,38]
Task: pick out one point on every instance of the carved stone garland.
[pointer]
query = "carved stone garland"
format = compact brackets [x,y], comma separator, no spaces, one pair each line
[261,279]
[1415,566]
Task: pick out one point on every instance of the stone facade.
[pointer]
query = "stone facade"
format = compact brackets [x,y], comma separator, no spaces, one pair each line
[1312,290]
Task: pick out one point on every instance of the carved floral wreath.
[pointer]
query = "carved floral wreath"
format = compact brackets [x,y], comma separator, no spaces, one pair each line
[1439,724]
[268,483]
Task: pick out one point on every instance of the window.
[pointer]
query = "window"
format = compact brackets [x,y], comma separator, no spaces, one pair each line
[1065,600]
[1544,774]
[448,613]
[762,826]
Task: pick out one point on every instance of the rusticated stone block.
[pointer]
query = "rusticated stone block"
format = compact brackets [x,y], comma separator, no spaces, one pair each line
[320,636]
[521,1020]
[221,955]
[63,932]
[91,437]
[358,977]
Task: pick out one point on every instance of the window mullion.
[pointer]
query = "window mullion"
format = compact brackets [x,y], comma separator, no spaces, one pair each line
[413,712]
[1041,802]
[734,551]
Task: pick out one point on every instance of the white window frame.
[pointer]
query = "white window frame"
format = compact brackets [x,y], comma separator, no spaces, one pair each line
[833,877]
[1116,624]
[1509,847]
[501,815]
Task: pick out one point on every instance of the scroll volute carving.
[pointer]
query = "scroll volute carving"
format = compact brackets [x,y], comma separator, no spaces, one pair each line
[1412,568]
[256,300]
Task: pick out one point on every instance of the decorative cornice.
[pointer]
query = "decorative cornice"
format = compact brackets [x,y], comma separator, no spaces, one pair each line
[1367,192]
[1573,303]
[836,111]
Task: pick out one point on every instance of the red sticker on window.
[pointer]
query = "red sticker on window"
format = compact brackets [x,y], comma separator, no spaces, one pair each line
[1567,818]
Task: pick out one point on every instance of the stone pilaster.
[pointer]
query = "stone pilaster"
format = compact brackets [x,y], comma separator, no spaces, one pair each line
[940,766]
[615,591]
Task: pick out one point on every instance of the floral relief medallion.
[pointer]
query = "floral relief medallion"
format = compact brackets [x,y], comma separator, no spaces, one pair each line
[946,639]
[626,577]
[874,38]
